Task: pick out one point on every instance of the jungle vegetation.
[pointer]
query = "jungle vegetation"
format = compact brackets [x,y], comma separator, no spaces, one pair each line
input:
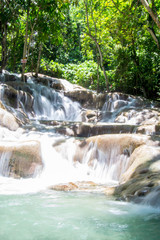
[104,45]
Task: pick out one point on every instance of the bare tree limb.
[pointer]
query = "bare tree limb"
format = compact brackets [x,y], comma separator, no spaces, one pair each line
[153,15]
[154,36]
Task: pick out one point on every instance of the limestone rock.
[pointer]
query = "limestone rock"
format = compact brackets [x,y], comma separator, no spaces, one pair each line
[87,129]
[65,187]
[88,186]
[8,120]
[107,141]
[20,159]
[139,116]
[139,182]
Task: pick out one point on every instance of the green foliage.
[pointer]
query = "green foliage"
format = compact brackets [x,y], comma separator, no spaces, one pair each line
[70,33]
[84,74]
[51,68]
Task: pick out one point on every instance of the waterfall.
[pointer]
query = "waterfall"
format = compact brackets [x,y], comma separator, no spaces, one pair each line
[115,103]
[4,164]
[51,157]
[42,103]
[59,165]
[116,106]
[105,166]
[153,198]
[51,105]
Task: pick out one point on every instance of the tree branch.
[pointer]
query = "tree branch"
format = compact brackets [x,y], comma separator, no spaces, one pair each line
[153,15]
[154,36]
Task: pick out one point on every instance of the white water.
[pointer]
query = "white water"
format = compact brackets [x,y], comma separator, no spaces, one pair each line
[57,151]
[126,109]
[44,103]
[114,105]
[57,154]
[45,214]
[51,105]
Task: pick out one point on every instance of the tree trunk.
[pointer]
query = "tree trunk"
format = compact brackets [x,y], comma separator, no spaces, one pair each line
[139,74]
[153,15]
[39,58]
[98,74]
[151,31]
[101,62]
[94,38]
[25,49]
[14,59]
[4,46]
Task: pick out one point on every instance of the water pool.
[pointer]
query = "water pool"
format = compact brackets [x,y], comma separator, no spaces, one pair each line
[52,215]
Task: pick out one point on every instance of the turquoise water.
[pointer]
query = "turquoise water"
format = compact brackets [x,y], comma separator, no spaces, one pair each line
[52,215]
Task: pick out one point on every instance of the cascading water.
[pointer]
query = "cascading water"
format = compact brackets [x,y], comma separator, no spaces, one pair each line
[113,105]
[59,166]
[106,167]
[4,164]
[30,211]
[51,105]
[122,108]
[43,103]
[47,104]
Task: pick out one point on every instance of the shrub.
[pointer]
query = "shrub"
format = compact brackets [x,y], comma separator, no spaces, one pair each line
[84,74]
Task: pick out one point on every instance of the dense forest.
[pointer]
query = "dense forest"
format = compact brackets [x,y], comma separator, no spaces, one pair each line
[104,45]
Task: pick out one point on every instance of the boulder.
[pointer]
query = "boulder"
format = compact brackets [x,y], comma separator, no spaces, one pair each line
[106,142]
[88,186]
[8,120]
[16,95]
[149,129]
[10,77]
[9,95]
[65,187]
[142,179]
[139,180]
[20,159]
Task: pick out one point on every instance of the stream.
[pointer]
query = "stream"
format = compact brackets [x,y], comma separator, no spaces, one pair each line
[30,210]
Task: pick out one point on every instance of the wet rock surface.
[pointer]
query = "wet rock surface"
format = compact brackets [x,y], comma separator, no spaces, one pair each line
[8,120]
[83,186]
[82,129]
[22,160]
[142,176]
[117,135]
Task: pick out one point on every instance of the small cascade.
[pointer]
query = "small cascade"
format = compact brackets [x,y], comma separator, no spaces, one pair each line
[40,102]
[102,167]
[51,105]
[152,198]
[105,167]
[117,103]
[4,164]
[113,105]
[24,101]
[1,92]
[109,104]
[60,166]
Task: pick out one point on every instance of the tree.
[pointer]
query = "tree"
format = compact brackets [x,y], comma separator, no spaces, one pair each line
[8,12]
[42,18]
[151,12]
[91,16]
